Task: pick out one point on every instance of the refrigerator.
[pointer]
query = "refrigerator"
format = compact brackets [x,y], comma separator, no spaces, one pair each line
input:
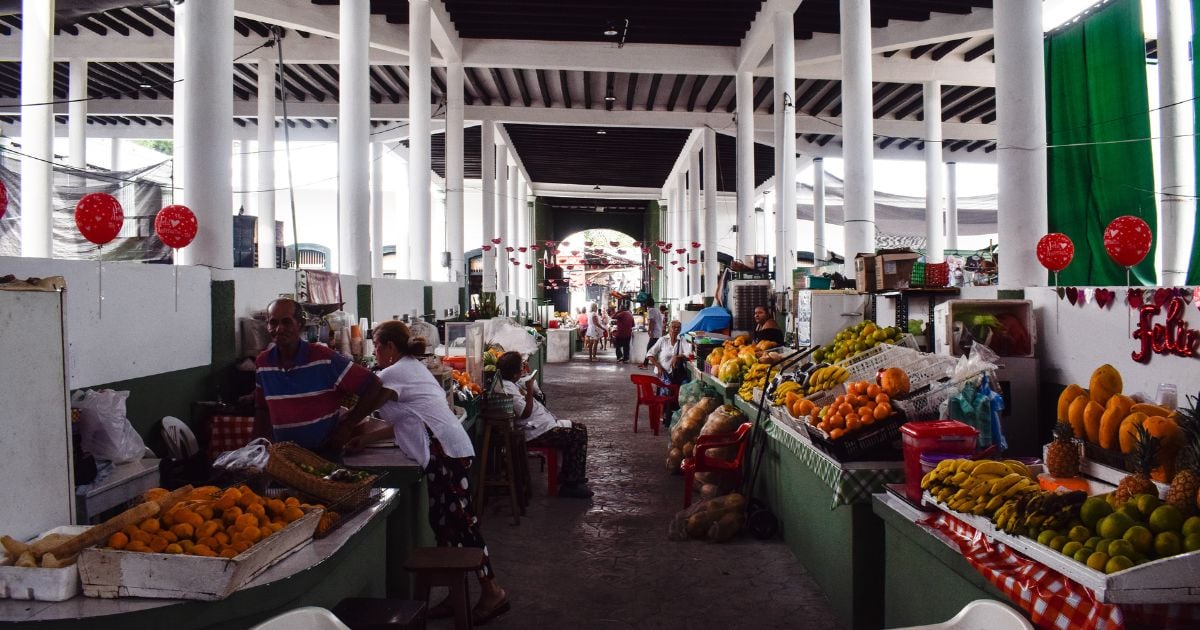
[818,314]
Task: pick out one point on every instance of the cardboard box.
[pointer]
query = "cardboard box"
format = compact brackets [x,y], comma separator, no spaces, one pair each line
[893,268]
[864,272]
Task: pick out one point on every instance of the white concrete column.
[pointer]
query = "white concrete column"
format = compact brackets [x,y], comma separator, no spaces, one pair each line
[354,139]
[114,154]
[207,67]
[1177,161]
[858,143]
[820,252]
[377,211]
[681,237]
[77,112]
[710,210]
[1021,133]
[488,185]
[744,83]
[694,234]
[951,206]
[785,150]
[265,160]
[503,263]
[514,228]
[420,156]
[242,201]
[178,116]
[37,128]
[526,239]
[454,171]
[935,239]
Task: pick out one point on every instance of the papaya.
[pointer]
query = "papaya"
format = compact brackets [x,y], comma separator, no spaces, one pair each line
[1105,383]
[1127,434]
[1151,410]
[1070,393]
[1075,416]
[1092,413]
[1110,423]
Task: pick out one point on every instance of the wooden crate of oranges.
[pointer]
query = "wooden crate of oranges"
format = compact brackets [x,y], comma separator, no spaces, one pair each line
[204,547]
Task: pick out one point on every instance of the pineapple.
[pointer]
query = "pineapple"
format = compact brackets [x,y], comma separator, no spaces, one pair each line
[1145,452]
[1062,456]
[1185,486]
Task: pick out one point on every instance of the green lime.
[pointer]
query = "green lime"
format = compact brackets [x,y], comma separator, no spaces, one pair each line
[1094,509]
[1097,560]
[1046,536]
[1114,525]
[1191,526]
[1079,533]
[1166,518]
[1102,546]
[1191,542]
[1121,548]
[1167,544]
[1117,563]
[1071,548]
[1092,542]
[1057,542]
[1146,502]
[1131,510]
[1082,555]
[1140,537]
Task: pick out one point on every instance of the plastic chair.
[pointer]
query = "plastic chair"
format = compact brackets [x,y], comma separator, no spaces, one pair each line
[307,618]
[701,462]
[549,456]
[647,394]
[981,614]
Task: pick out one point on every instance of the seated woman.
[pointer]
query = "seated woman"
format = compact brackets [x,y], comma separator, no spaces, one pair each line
[669,355]
[765,328]
[414,405]
[543,429]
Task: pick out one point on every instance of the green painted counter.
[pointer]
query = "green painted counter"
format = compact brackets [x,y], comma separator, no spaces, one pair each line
[346,564]
[918,565]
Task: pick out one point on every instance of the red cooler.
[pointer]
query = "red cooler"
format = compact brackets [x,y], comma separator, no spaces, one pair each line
[942,436]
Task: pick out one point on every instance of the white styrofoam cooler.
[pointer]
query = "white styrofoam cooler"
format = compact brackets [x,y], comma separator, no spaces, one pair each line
[943,315]
[47,585]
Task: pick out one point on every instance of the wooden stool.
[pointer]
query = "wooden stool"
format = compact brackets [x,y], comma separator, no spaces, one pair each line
[446,566]
[378,613]
[496,467]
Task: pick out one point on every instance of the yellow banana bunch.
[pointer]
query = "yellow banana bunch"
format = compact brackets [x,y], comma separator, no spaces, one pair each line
[825,378]
[977,487]
[782,390]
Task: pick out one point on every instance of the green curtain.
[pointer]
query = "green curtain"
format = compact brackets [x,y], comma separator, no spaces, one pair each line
[1193,276]
[1096,93]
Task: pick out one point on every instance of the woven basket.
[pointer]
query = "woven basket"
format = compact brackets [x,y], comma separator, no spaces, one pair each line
[283,467]
[497,405]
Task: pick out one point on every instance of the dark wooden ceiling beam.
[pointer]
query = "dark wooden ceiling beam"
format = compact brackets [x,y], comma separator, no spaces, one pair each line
[544,87]
[982,111]
[678,85]
[946,48]
[501,87]
[818,106]
[653,92]
[810,93]
[899,99]
[587,89]
[631,91]
[977,145]
[104,18]
[519,75]
[697,84]
[566,87]
[239,25]
[473,81]
[296,74]
[610,97]
[394,73]
[886,142]
[153,19]
[435,74]
[380,84]
[127,17]
[764,90]
[979,96]
[980,50]
[719,93]
[919,51]
[94,26]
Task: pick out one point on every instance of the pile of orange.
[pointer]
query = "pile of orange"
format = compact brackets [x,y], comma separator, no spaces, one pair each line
[209,522]
[862,405]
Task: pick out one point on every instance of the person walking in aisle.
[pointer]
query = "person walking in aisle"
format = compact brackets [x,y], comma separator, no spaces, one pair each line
[623,334]
[595,332]
[654,326]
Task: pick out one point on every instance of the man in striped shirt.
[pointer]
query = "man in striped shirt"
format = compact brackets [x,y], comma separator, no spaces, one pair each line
[300,385]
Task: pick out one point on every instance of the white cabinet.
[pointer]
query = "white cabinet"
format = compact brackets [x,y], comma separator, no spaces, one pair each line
[36,469]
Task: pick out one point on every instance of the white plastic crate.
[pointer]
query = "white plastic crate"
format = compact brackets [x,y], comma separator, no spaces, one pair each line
[863,366]
[47,585]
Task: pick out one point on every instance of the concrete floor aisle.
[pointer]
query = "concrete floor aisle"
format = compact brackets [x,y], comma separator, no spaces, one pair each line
[607,562]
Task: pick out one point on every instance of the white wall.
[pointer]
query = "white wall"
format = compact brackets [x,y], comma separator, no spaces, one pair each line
[445,296]
[1074,340]
[394,298]
[140,332]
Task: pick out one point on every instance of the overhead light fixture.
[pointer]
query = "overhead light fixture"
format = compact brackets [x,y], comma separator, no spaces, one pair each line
[611,30]
[596,187]
[608,98]
[143,83]
[601,132]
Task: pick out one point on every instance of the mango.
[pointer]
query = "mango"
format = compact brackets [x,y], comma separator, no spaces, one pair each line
[1068,395]
[1092,413]
[1118,409]
[1105,383]
[1075,416]
[1127,434]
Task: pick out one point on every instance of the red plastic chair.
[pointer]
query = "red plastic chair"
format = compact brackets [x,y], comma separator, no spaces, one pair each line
[701,462]
[550,455]
[647,394]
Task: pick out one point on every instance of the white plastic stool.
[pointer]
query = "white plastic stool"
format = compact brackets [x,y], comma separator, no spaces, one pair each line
[307,618]
[981,614]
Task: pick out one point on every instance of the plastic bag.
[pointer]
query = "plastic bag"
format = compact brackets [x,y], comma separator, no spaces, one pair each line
[250,458]
[510,335]
[714,520]
[104,430]
[684,432]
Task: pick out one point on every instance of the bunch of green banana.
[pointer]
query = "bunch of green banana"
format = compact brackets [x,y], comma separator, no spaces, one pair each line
[825,378]
[781,392]
[1037,511]
[977,487]
[756,377]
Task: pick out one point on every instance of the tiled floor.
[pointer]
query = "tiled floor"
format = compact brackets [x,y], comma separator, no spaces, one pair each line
[607,562]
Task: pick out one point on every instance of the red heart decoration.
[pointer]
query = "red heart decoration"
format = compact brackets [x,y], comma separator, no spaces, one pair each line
[1133,297]
[680,250]
[1161,296]
[522,249]
[1072,295]
[487,248]
[496,240]
[1104,298]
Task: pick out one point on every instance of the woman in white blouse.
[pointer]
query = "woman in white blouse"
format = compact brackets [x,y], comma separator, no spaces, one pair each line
[670,354]
[414,405]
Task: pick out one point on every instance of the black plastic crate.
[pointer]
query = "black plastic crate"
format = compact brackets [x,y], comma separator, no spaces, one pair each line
[879,442]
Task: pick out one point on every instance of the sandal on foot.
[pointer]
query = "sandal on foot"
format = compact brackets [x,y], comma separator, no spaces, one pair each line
[481,616]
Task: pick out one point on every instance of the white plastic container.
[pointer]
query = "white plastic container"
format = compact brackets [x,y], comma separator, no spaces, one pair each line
[47,585]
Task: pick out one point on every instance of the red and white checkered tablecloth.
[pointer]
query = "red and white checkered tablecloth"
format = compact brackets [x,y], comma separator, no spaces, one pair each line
[226,433]
[1053,601]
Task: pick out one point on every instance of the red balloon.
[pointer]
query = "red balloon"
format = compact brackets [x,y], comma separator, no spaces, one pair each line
[99,217]
[175,226]
[3,199]
[1055,251]
[1127,240]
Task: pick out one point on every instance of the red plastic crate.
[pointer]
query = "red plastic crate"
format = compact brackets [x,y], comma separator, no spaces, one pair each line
[937,274]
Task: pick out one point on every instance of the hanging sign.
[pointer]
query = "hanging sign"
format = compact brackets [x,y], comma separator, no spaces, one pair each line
[1171,337]
[3,199]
